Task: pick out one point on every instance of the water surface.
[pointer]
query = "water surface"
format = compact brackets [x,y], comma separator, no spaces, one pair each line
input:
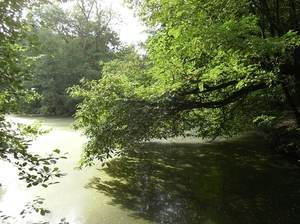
[175,181]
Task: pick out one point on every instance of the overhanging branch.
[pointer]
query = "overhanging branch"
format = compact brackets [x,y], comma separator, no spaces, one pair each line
[220,103]
[208,88]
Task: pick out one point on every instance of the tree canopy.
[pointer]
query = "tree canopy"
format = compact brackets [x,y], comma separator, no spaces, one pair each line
[213,68]
[72,42]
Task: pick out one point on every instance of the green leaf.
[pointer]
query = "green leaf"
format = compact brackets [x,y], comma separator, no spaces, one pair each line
[56,151]
[42,212]
[55,169]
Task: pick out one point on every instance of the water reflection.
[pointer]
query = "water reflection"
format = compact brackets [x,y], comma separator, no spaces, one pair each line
[235,181]
[185,181]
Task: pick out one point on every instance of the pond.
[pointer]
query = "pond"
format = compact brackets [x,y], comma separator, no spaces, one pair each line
[174,181]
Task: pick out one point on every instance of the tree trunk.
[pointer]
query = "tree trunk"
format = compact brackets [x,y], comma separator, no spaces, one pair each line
[291,103]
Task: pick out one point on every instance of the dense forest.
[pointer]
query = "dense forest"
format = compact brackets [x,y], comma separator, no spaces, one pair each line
[74,42]
[209,69]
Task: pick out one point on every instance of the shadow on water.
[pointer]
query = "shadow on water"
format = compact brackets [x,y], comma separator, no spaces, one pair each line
[236,181]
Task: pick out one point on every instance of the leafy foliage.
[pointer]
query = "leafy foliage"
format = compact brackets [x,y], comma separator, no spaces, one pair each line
[34,169]
[116,90]
[73,41]
[29,208]
[34,206]
[214,67]
[15,138]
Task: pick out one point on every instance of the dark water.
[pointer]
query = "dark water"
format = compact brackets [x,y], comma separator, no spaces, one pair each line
[236,181]
[177,181]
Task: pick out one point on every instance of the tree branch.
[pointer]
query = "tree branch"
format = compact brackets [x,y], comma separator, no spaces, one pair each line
[221,103]
[208,88]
